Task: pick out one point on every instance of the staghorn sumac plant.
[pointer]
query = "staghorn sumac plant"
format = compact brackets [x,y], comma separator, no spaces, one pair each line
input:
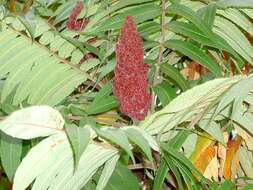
[82,95]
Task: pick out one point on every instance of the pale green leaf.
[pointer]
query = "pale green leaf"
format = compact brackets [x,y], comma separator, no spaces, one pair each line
[107,172]
[33,122]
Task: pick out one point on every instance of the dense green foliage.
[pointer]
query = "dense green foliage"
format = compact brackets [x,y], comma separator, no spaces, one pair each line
[61,126]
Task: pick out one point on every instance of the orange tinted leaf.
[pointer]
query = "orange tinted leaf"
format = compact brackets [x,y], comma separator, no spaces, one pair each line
[211,171]
[202,144]
[205,158]
[203,153]
[232,148]
[221,153]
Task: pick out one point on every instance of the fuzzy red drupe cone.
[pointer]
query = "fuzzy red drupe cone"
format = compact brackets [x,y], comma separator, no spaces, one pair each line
[74,23]
[130,84]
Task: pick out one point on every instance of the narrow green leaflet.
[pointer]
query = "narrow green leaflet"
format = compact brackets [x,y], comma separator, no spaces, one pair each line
[237,17]
[116,136]
[177,141]
[208,14]
[175,170]
[160,176]
[172,73]
[193,17]
[181,158]
[11,152]
[136,137]
[165,92]
[64,11]
[140,14]
[190,15]
[193,52]
[33,122]
[107,172]
[234,37]
[235,3]
[102,101]
[191,31]
[103,105]
[79,139]
[104,92]
[121,4]
[29,23]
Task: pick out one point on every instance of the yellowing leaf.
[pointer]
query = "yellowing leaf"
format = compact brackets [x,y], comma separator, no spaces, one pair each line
[205,158]
[221,153]
[108,118]
[212,169]
[232,148]
[202,144]
[203,153]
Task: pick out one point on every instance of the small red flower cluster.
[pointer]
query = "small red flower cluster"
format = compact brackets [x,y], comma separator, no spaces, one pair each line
[130,84]
[74,23]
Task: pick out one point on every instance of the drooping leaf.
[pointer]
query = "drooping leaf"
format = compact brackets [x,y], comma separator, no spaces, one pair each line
[33,164]
[182,159]
[79,138]
[175,75]
[246,160]
[232,147]
[137,137]
[161,174]
[11,152]
[116,136]
[165,92]
[208,14]
[193,52]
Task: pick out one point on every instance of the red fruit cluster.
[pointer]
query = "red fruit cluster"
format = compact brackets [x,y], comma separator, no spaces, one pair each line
[74,23]
[130,84]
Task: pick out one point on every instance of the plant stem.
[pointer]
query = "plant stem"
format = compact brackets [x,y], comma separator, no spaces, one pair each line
[160,56]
